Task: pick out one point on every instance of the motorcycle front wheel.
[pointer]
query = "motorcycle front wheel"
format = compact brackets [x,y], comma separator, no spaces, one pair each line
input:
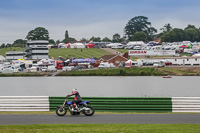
[61,111]
[89,112]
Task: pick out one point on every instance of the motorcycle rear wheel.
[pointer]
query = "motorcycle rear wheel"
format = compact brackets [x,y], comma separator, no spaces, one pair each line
[61,111]
[89,112]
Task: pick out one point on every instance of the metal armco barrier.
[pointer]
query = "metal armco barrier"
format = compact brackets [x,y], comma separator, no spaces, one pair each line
[126,104]
[24,103]
[185,104]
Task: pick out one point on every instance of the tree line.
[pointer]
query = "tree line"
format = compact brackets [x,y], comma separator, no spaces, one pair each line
[137,29]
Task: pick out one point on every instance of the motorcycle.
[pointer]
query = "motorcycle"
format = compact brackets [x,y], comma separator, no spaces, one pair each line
[81,108]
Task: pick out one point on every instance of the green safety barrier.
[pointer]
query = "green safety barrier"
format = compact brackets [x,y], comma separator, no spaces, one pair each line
[121,104]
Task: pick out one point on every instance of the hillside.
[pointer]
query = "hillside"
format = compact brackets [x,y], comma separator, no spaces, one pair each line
[4,50]
[65,53]
[77,53]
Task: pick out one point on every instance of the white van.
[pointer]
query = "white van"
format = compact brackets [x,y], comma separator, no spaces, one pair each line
[51,69]
[68,68]
[137,63]
[33,69]
[106,65]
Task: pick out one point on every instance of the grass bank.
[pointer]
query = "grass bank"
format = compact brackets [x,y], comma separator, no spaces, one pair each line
[4,50]
[115,72]
[143,71]
[77,53]
[35,74]
[123,50]
[102,128]
[65,52]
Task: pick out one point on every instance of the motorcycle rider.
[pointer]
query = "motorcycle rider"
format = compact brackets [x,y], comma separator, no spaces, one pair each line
[77,98]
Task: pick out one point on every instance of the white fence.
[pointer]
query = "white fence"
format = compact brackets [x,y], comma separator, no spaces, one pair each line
[185,104]
[24,103]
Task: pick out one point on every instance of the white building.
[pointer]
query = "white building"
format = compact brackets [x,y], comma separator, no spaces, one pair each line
[14,55]
[176,60]
[37,49]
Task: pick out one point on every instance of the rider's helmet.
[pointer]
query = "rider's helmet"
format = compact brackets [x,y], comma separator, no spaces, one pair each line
[74,90]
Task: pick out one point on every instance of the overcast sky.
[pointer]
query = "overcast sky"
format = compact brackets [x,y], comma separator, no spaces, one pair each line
[87,18]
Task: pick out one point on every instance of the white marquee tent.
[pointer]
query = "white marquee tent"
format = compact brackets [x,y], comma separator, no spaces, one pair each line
[77,45]
[2,59]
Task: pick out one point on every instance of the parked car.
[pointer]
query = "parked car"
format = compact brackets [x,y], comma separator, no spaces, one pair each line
[106,65]
[168,63]
[137,48]
[114,47]
[68,68]
[129,47]
[147,63]
[51,69]
[33,69]
[158,64]
[121,47]
[80,67]
[44,69]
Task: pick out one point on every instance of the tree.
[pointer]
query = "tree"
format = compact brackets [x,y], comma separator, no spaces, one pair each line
[116,38]
[151,33]
[166,28]
[190,26]
[175,35]
[192,34]
[38,33]
[95,39]
[67,38]
[106,39]
[51,41]
[139,36]
[83,40]
[8,45]
[3,45]
[137,24]
[66,35]
[123,39]
[70,39]
[19,43]
[57,42]
[179,35]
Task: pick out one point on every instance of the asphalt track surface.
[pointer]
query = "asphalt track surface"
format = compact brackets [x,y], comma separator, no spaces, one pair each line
[101,119]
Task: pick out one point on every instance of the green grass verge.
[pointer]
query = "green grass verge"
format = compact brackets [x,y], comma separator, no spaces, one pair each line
[147,71]
[4,50]
[137,71]
[102,128]
[76,53]
[24,74]
[123,50]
